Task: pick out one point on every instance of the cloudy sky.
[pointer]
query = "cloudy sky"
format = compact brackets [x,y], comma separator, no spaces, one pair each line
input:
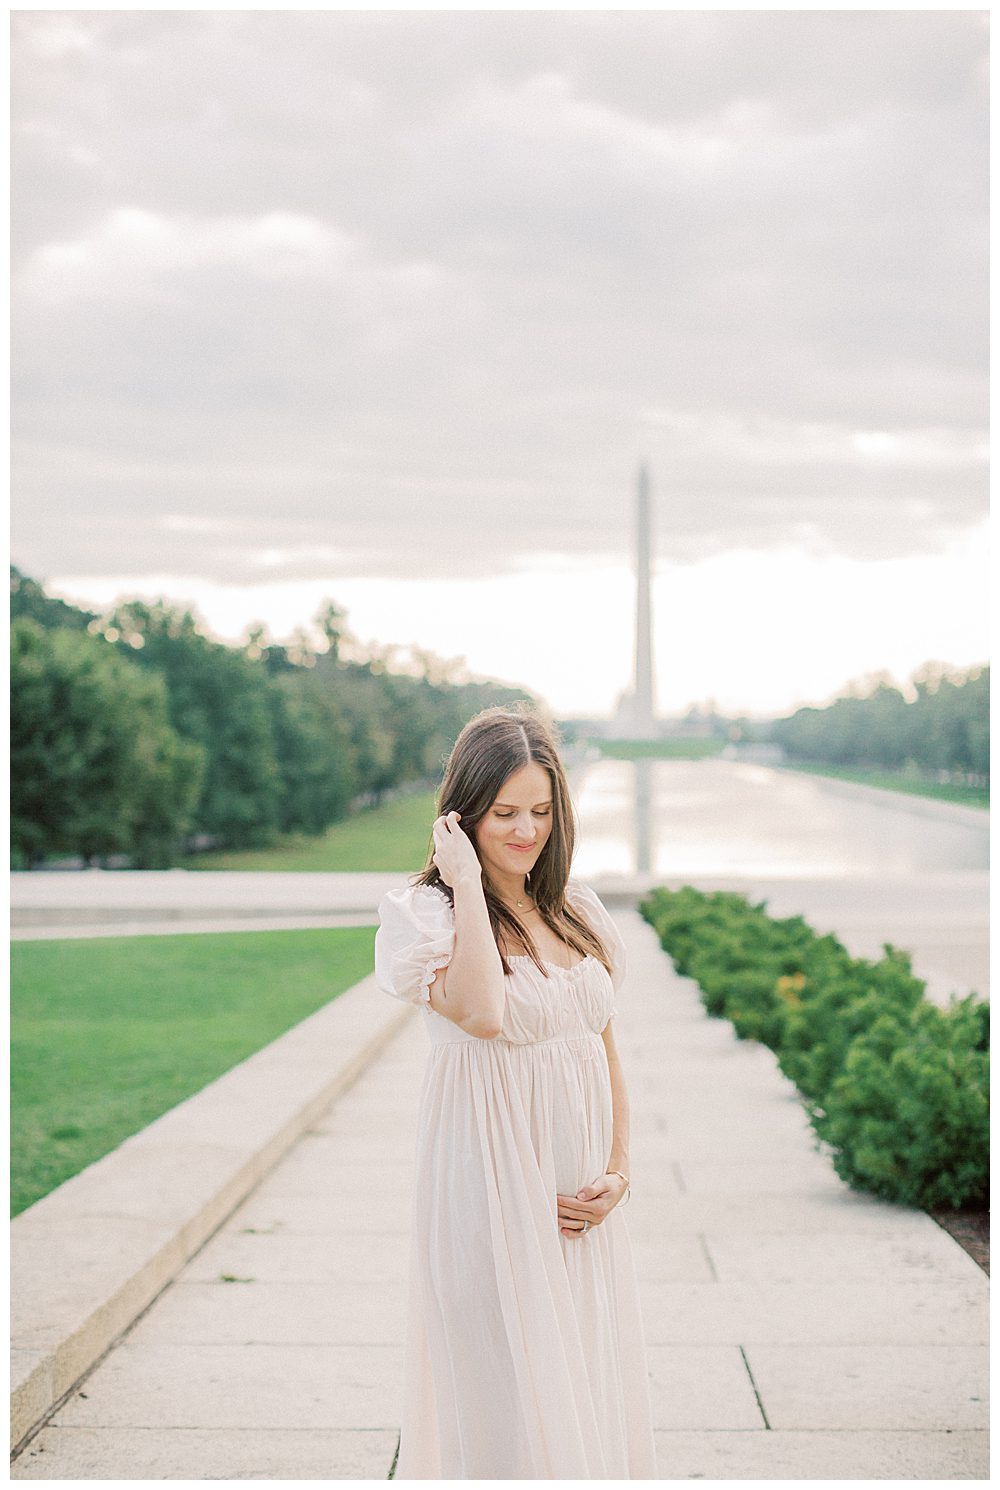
[387,308]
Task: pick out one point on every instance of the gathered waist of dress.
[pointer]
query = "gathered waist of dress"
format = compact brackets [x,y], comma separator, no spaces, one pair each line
[446,1032]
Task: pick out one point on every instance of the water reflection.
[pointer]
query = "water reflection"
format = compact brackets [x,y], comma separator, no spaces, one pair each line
[720,817]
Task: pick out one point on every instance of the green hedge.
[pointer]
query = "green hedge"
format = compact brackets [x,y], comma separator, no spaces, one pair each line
[895,1087]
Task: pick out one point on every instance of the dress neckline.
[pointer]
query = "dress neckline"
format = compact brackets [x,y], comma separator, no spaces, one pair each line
[524,957]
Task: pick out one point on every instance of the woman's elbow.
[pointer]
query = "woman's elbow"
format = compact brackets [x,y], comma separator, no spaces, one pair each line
[482,1029]
[485,1020]
[485,1026]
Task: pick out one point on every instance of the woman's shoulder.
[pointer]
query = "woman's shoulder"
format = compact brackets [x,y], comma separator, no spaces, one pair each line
[586,900]
[579,891]
[582,897]
[417,898]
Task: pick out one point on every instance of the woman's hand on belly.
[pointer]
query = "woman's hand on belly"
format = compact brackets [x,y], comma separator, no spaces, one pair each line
[593,1203]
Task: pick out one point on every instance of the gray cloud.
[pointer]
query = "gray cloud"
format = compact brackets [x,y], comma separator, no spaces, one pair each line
[377,290]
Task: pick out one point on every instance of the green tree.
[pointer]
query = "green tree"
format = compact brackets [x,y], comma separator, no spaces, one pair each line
[330,619]
[945,727]
[96,767]
[219,699]
[28,599]
[312,734]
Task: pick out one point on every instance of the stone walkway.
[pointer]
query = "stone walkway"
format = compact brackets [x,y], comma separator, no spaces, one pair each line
[795,1328]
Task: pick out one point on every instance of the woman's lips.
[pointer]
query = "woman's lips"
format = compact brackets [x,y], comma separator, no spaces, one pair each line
[522,848]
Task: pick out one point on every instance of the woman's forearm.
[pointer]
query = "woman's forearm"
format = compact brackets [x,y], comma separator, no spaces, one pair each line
[474,994]
[618,1158]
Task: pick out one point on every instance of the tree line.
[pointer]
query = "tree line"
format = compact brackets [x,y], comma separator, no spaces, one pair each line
[943,729]
[136,734]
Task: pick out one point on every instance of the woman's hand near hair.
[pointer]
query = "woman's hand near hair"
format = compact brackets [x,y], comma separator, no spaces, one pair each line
[470,991]
[454,854]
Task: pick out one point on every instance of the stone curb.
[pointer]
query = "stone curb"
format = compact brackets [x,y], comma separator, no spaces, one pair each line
[88,1258]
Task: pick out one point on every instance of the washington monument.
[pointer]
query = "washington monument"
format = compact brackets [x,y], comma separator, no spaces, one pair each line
[643,715]
[636,715]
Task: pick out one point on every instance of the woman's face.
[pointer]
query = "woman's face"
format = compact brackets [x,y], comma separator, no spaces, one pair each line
[521,815]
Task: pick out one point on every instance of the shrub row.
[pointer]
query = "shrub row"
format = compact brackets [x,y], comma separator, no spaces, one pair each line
[896,1087]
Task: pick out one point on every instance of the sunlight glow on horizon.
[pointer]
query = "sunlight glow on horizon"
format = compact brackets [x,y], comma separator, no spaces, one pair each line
[760,633]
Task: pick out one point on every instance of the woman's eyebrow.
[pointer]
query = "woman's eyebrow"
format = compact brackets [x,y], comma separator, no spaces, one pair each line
[546,803]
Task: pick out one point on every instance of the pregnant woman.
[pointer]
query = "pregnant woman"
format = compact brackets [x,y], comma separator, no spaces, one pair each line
[525,1355]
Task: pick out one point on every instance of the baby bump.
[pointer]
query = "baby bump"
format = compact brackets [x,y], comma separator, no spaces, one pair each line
[568,1106]
[582,1128]
[504,1127]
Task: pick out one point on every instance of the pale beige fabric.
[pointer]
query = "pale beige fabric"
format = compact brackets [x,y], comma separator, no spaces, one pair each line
[525,1355]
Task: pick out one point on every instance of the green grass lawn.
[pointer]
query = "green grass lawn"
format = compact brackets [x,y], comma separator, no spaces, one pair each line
[969,796]
[107,1033]
[393,837]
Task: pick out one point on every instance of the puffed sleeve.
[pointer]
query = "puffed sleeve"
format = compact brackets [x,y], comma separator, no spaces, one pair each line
[589,904]
[415,937]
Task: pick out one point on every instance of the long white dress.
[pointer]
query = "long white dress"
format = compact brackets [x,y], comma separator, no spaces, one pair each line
[525,1355]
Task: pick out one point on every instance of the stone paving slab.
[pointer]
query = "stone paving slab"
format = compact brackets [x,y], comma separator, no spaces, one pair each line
[33,930]
[362,1151]
[769,1455]
[806,1174]
[843,1211]
[209,1454]
[701,1386]
[696,1149]
[866,1313]
[320,1214]
[872,1386]
[294,1258]
[259,1313]
[317,1158]
[45,896]
[240,1386]
[791,1258]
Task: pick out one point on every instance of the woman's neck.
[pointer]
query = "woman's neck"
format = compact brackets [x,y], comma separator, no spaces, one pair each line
[510,889]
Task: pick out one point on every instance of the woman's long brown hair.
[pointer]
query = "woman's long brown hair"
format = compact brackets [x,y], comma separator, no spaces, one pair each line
[493,744]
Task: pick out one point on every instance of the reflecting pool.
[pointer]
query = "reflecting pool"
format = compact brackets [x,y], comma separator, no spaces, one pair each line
[733,818]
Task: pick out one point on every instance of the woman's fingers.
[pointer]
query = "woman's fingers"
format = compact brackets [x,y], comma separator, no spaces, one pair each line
[566,1214]
[578,1230]
[572,1213]
[575,1207]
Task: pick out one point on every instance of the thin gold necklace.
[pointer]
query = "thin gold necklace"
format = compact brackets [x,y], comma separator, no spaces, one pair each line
[520,903]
